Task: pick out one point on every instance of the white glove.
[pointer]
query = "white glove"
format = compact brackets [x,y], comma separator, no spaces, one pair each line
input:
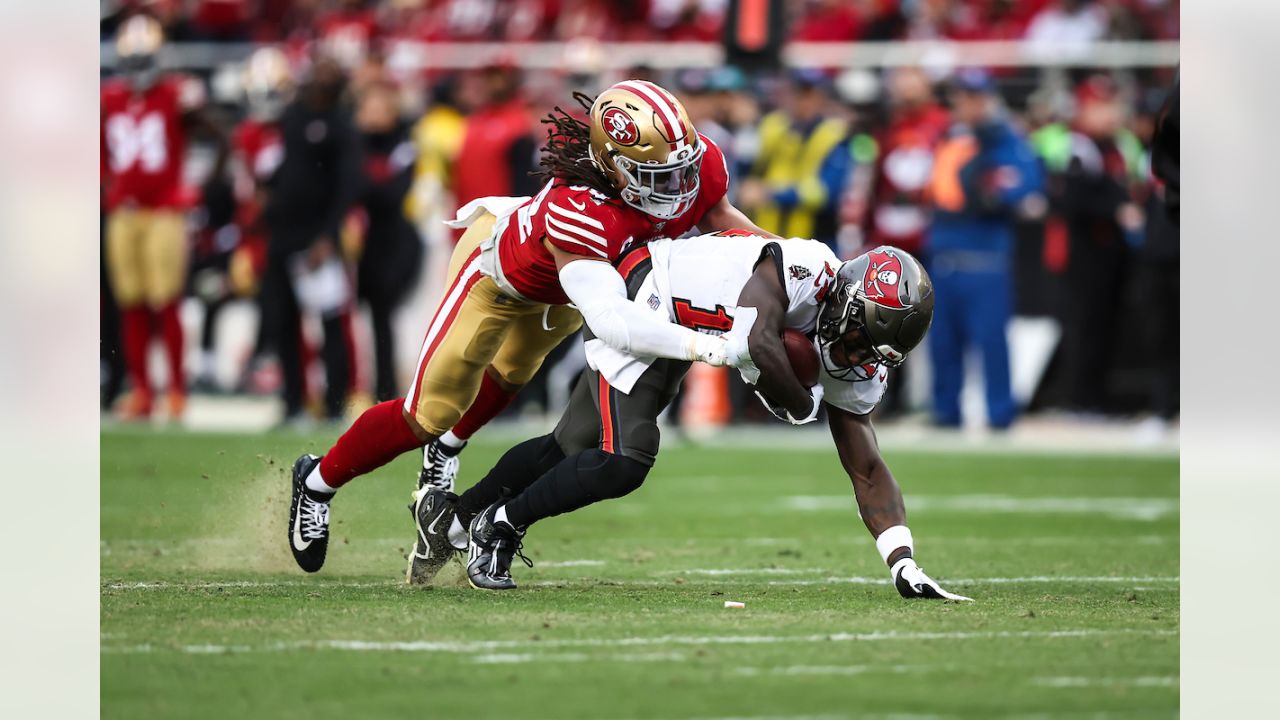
[739,355]
[913,583]
[815,393]
[710,349]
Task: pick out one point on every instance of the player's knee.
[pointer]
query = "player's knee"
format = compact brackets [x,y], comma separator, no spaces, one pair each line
[609,475]
[435,417]
[509,377]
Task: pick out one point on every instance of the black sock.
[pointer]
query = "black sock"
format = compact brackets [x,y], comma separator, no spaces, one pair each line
[514,471]
[576,482]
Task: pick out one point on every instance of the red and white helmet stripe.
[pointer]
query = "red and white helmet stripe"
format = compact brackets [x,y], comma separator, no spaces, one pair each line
[665,107]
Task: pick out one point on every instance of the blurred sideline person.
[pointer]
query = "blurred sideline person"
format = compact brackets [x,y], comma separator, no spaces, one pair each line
[498,151]
[867,314]
[310,194]
[982,174]
[1160,255]
[897,210]
[235,242]
[145,117]
[437,136]
[391,255]
[799,173]
[258,152]
[1102,220]
[636,170]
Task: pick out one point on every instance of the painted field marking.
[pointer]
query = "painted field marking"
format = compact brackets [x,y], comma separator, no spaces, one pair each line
[1127,508]
[489,646]
[520,658]
[827,669]
[722,575]
[1077,682]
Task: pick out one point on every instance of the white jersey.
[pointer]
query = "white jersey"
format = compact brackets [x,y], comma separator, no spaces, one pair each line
[696,281]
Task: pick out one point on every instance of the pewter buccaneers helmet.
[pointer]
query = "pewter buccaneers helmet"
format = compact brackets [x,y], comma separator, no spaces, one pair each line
[878,309]
[643,140]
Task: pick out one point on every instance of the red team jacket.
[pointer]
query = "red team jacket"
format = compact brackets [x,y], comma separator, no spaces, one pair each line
[143,142]
[584,222]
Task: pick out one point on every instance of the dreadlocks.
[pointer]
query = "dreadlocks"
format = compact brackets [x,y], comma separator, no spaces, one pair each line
[566,156]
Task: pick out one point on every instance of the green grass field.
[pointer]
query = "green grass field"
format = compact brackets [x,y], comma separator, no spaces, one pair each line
[1073,562]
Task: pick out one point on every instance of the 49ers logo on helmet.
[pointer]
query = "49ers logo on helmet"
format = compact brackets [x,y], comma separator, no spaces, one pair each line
[881,284]
[619,126]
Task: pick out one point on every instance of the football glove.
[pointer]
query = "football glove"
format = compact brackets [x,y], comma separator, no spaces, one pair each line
[710,349]
[815,393]
[913,583]
[738,354]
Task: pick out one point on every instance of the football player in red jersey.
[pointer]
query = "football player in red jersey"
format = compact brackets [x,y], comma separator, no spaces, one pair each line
[635,170]
[257,150]
[145,117]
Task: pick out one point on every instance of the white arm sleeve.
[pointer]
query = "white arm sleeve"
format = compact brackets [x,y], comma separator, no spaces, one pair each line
[600,294]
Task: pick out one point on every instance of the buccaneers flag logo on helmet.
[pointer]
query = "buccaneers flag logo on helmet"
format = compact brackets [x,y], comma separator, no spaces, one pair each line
[884,271]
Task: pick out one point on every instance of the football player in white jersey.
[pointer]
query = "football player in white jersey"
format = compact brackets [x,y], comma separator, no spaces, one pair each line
[865,314]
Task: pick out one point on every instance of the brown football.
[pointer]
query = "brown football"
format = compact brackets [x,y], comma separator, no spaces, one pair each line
[803,356]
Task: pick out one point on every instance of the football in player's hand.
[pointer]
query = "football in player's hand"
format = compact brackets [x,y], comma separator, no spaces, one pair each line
[803,356]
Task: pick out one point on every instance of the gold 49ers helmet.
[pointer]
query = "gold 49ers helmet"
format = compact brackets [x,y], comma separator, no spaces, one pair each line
[643,140]
[138,43]
[878,310]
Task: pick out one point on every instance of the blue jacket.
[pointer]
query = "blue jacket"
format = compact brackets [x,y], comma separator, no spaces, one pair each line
[979,180]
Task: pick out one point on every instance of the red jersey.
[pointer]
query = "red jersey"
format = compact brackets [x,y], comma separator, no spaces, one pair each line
[483,168]
[899,208]
[258,152]
[584,222]
[143,141]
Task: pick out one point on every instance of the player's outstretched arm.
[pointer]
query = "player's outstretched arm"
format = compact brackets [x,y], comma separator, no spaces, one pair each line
[724,216]
[600,294]
[880,504]
[776,381]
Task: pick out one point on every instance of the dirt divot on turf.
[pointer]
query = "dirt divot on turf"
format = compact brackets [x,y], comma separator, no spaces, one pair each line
[256,517]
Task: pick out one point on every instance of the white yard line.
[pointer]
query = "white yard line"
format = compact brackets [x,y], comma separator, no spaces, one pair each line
[1169,681]
[722,575]
[744,571]
[231,584]
[827,669]
[520,658]
[490,646]
[1125,508]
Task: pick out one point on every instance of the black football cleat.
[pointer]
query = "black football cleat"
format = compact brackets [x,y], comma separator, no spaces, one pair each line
[493,545]
[439,466]
[308,518]
[433,513]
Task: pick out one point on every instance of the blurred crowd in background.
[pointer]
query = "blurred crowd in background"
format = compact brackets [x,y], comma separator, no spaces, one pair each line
[365,22]
[314,185]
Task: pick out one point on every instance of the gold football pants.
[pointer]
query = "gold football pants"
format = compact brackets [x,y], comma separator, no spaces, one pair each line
[477,325]
[146,256]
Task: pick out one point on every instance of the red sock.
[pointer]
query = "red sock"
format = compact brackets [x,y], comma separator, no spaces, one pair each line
[171,333]
[378,436]
[135,335]
[489,403]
